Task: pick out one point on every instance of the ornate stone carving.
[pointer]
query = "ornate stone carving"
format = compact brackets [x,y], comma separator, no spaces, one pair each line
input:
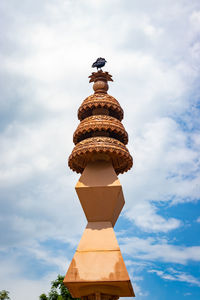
[100,80]
[99,124]
[100,134]
[100,75]
[108,148]
[100,100]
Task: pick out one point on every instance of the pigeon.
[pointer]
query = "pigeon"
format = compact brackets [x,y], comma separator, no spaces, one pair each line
[99,63]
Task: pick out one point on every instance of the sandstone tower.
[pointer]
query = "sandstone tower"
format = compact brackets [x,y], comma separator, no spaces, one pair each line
[97,270]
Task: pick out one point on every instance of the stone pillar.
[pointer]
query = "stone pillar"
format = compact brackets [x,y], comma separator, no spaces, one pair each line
[97,270]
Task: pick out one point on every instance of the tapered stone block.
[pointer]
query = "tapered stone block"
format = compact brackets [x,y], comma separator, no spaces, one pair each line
[98,265]
[100,192]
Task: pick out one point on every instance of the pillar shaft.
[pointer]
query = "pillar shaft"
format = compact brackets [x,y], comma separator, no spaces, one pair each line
[98,265]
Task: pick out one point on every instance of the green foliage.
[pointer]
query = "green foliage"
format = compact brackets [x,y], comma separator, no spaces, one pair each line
[58,291]
[43,297]
[4,295]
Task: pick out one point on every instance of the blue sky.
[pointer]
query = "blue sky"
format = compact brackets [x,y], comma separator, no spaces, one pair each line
[153,52]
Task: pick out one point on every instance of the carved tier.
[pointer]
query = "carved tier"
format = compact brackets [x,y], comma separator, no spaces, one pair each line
[103,101]
[100,148]
[100,134]
[100,125]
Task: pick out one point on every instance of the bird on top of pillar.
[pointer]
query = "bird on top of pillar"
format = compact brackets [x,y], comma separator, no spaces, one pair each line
[99,63]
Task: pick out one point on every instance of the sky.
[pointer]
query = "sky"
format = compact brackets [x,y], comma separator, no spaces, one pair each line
[152,50]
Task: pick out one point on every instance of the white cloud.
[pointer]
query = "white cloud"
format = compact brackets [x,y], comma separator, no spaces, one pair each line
[20,286]
[174,275]
[151,249]
[187,294]
[59,261]
[18,273]
[145,217]
[166,170]
[47,50]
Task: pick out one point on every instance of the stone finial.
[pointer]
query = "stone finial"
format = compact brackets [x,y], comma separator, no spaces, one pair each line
[100,80]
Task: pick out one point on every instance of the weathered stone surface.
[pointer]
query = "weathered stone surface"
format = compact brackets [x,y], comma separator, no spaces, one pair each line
[98,264]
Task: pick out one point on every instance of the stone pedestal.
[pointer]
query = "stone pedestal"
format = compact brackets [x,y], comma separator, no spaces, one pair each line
[97,268]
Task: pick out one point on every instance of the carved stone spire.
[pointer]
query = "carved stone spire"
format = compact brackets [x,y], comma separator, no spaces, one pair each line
[100,134]
[97,270]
